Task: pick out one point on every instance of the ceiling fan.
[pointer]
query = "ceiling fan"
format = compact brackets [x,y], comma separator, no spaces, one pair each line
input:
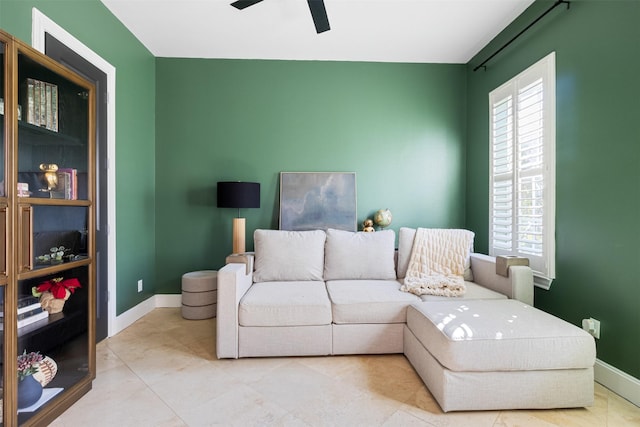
[318,12]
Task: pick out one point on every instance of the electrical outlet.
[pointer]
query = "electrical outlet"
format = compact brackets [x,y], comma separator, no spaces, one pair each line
[592,326]
[140,285]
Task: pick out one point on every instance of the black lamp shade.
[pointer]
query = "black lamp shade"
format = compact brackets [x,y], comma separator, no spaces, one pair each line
[238,194]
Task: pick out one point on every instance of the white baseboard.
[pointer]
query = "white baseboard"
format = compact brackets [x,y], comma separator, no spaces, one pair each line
[127,318]
[618,381]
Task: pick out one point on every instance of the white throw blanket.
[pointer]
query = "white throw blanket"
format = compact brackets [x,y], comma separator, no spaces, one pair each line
[437,261]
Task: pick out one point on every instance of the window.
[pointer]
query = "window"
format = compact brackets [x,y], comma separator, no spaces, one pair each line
[522,168]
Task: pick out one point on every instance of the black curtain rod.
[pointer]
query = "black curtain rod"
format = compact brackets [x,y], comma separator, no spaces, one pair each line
[557,3]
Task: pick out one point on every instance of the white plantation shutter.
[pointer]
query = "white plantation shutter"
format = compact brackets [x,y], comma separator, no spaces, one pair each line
[522,184]
[502,171]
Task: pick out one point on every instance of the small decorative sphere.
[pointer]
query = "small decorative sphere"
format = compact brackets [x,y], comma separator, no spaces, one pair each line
[382,218]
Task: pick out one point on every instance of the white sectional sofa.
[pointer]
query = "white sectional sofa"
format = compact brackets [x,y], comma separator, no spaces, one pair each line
[316,293]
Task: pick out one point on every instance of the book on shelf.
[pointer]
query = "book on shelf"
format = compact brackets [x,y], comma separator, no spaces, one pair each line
[30,313]
[25,303]
[33,308]
[31,96]
[32,319]
[42,101]
[28,320]
[29,308]
[73,183]
[42,104]
[27,300]
[63,190]
[48,120]
[54,107]
[35,119]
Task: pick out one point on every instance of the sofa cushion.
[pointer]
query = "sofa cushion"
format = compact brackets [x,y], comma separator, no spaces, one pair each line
[350,255]
[474,291]
[288,255]
[368,301]
[405,245]
[285,304]
[498,335]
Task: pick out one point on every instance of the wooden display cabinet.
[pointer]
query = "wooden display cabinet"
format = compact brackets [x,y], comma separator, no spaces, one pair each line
[47,143]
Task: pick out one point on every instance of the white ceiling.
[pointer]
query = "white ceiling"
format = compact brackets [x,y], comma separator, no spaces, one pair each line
[426,31]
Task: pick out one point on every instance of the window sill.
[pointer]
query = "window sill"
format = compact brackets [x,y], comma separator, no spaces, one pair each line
[542,282]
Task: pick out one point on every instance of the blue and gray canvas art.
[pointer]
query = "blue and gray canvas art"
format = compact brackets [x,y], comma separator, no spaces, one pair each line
[322,200]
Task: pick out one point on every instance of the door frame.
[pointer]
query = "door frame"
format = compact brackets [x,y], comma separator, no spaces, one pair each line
[42,24]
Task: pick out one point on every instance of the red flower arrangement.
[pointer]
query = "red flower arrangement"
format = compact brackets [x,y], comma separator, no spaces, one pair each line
[58,287]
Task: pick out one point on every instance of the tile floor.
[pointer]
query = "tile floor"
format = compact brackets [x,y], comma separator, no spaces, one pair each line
[162,371]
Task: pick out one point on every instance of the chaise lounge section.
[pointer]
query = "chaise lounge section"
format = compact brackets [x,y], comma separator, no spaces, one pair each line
[493,354]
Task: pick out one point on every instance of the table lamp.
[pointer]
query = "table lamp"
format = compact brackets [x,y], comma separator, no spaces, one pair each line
[238,195]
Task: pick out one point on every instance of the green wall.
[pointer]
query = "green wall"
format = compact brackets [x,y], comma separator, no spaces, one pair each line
[598,162]
[91,23]
[400,127]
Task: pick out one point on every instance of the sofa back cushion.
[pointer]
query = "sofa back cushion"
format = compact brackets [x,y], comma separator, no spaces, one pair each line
[350,255]
[405,245]
[288,255]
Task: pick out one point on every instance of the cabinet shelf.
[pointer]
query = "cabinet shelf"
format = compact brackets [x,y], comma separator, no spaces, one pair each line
[52,202]
[48,269]
[42,136]
[38,136]
[50,330]
[44,335]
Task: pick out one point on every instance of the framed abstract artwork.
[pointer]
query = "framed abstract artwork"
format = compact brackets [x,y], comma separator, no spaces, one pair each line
[318,200]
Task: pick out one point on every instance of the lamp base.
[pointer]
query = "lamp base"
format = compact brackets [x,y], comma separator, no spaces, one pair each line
[239,235]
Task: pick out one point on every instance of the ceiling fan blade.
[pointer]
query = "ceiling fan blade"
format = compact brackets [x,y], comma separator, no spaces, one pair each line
[241,4]
[319,15]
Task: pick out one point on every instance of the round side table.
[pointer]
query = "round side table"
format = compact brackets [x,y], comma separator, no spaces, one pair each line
[199,294]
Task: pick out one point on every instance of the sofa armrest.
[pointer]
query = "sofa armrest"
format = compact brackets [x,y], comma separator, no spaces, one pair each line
[518,285]
[233,283]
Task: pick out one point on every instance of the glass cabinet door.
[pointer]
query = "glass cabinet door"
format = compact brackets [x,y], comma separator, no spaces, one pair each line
[3,178]
[2,107]
[54,213]
[47,223]
[3,221]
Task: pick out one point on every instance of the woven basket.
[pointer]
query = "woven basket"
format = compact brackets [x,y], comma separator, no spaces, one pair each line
[47,370]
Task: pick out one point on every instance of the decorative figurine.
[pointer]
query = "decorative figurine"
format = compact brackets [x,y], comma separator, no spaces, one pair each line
[50,178]
[367,226]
